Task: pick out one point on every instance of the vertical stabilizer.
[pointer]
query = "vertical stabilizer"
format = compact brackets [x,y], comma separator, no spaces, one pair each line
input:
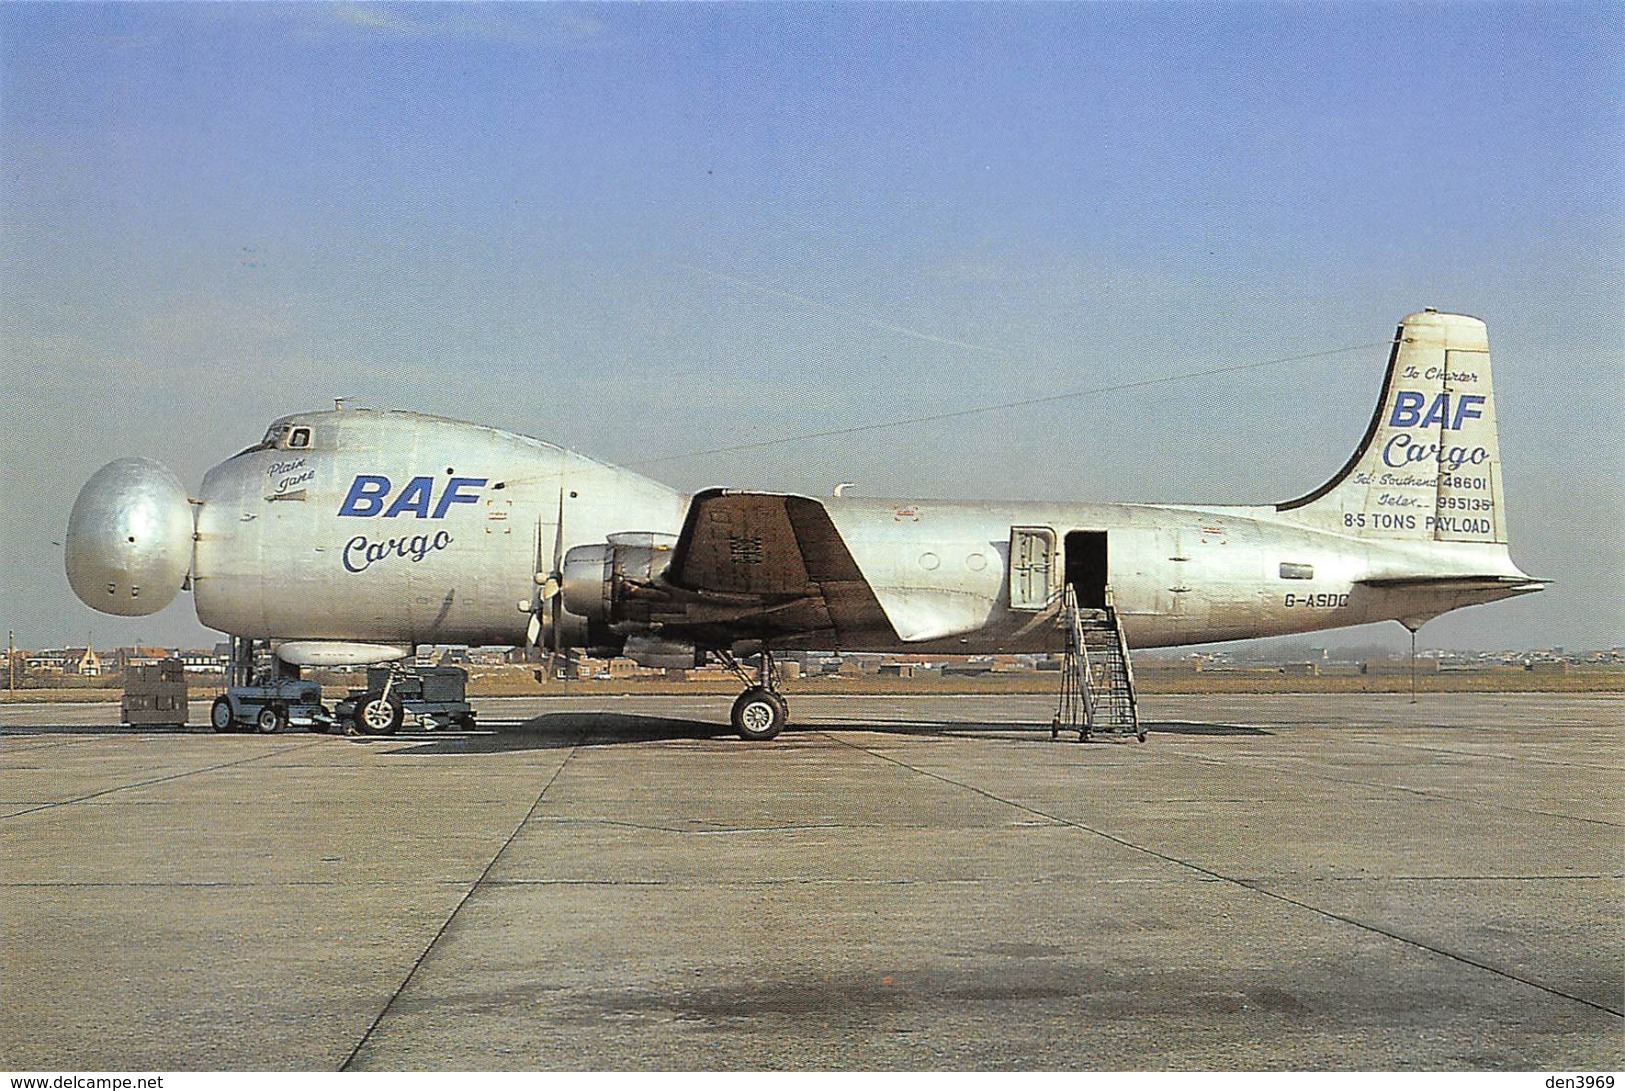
[1429,467]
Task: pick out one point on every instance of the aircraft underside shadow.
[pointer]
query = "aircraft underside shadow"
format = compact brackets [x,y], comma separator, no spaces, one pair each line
[562,730]
[555,731]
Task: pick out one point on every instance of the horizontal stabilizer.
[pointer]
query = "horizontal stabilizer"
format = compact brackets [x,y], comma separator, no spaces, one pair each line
[1418,599]
[1519,584]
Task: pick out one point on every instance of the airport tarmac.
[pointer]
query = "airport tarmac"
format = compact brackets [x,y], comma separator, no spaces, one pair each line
[1281,882]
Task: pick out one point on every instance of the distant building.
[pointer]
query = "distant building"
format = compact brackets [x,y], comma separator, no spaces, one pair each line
[202,661]
[81,661]
[138,655]
[969,668]
[1399,666]
[48,662]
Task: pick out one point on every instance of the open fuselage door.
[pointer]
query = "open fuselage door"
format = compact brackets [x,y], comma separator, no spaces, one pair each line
[1033,585]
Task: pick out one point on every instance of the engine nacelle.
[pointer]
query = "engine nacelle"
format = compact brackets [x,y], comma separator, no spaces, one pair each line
[129,543]
[600,580]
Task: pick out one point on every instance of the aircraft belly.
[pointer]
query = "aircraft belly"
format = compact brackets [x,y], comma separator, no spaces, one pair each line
[932,613]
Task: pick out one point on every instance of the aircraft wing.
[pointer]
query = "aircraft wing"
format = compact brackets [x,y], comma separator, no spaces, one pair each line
[766,565]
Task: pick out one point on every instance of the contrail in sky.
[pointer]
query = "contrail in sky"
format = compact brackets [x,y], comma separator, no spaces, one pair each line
[866,319]
[1045,399]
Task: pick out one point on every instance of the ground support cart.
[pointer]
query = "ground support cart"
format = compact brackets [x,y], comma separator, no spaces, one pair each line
[435,695]
[271,706]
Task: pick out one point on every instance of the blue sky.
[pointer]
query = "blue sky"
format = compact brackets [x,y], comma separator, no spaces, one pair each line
[645,230]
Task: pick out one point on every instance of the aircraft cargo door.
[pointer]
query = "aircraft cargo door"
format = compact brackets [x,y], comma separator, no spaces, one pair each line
[1032,567]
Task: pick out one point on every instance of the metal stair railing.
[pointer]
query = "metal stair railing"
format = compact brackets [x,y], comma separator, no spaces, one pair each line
[1076,708]
[1097,675]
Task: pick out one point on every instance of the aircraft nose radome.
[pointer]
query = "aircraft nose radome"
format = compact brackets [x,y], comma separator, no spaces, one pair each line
[129,543]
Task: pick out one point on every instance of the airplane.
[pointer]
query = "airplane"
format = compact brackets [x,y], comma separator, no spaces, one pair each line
[352,535]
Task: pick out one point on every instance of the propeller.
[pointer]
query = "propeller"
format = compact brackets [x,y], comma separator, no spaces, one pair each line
[549,582]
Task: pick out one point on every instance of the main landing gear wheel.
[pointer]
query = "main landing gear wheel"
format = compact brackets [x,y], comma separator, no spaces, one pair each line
[220,715]
[269,721]
[759,714]
[380,715]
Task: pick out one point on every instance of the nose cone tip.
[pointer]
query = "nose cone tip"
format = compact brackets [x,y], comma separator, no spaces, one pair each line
[129,543]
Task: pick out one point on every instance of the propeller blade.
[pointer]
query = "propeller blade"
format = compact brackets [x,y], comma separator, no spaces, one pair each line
[553,634]
[550,580]
[555,579]
[558,538]
[540,560]
[544,627]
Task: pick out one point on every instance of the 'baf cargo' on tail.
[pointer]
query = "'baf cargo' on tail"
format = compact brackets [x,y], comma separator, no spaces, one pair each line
[1429,466]
[1422,491]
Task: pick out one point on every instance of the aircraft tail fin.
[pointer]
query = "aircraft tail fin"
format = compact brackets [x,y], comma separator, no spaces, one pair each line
[1429,465]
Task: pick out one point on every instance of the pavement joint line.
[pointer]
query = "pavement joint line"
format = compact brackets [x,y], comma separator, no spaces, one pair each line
[44,742]
[154,780]
[1432,794]
[1411,941]
[223,884]
[1460,878]
[676,884]
[1303,767]
[47,742]
[1251,886]
[452,916]
[714,831]
[1492,754]
[709,884]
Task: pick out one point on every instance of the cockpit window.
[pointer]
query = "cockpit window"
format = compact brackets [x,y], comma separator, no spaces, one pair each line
[299,439]
[277,437]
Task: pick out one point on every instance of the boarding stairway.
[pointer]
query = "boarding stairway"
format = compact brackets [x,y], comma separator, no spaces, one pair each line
[1097,679]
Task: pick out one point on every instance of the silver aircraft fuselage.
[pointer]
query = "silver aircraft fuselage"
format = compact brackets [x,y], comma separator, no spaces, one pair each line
[449,552]
[394,528]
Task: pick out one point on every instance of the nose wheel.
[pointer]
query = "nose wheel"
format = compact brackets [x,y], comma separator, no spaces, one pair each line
[380,713]
[761,712]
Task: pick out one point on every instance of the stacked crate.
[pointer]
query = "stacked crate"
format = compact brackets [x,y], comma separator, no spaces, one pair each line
[155,694]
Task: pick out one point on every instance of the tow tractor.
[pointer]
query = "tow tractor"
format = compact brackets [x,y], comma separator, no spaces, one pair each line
[435,695]
[266,694]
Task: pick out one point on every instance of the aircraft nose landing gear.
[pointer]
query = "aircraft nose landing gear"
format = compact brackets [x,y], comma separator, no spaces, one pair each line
[761,712]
